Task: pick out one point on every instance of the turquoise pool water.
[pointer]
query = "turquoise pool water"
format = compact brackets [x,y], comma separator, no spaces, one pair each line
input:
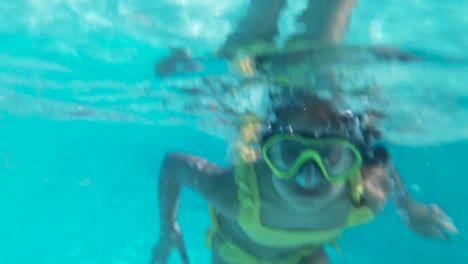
[84,125]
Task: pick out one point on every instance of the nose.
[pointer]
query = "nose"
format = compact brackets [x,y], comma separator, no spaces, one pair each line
[312,171]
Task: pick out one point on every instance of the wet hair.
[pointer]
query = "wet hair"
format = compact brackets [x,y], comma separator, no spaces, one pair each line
[310,107]
[296,104]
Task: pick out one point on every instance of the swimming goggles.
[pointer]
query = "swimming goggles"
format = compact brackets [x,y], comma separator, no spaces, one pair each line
[337,159]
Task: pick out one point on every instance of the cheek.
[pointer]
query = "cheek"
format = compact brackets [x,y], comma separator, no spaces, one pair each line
[287,189]
[377,190]
[282,186]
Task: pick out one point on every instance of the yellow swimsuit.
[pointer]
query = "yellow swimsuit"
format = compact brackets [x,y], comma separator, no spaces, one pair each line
[250,222]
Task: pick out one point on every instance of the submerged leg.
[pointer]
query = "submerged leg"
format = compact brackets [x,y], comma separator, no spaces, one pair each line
[259,25]
[326,20]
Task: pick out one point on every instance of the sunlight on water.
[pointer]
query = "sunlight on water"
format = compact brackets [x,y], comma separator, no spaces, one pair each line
[123,39]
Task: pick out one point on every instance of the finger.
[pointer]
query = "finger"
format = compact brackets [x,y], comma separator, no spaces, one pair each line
[439,233]
[424,232]
[435,210]
[444,221]
[448,226]
[443,236]
[182,251]
[160,255]
[184,257]
[434,232]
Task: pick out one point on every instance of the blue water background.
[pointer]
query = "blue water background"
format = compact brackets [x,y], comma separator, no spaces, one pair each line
[85,191]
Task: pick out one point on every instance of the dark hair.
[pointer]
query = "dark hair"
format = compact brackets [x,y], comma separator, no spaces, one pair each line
[307,106]
[358,128]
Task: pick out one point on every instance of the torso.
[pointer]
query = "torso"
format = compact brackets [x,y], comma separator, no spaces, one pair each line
[277,214]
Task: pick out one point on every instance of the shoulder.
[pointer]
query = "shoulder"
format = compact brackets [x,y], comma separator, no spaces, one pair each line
[195,163]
